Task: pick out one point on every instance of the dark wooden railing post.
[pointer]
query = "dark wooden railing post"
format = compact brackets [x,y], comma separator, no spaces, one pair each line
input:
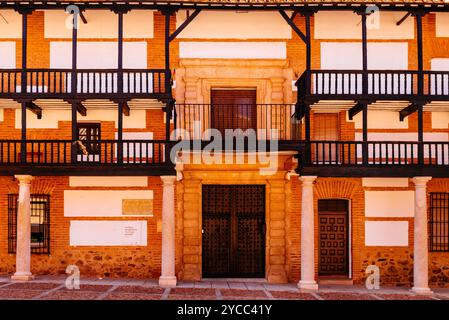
[120,105]
[420,135]
[23,81]
[74,149]
[419,45]
[74,84]
[365,134]
[23,144]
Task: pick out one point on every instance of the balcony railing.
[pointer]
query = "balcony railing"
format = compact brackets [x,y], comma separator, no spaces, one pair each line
[375,153]
[266,121]
[83,153]
[82,83]
[378,84]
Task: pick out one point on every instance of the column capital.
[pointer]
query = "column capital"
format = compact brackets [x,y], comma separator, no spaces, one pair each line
[421,181]
[24,179]
[168,180]
[308,179]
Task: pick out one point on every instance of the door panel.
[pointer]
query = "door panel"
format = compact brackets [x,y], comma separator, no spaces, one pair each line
[326,128]
[233,109]
[233,231]
[333,237]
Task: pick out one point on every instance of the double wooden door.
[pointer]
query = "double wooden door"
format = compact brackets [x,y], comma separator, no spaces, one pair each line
[233,243]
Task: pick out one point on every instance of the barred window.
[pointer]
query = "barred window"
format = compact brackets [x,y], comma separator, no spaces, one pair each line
[439,222]
[40,223]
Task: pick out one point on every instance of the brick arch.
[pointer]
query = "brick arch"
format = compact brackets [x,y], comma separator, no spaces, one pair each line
[335,188]
[38,186]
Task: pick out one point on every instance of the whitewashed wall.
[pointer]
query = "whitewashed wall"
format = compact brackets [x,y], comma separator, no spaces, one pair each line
[442,24]
[101,181]
[346,25]
[440,120]
[386,233]
[100,203]
[389,203]
[7,54]
[102,24]
[233,50]
[12,27]
[385,182]
[108,233]
[234,25]
[381,119]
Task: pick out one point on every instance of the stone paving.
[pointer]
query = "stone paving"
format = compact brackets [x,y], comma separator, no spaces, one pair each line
[53,288]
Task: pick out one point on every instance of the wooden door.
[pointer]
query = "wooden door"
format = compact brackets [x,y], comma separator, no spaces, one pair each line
[233,109]
[233,231]
[333,244]
[325,128]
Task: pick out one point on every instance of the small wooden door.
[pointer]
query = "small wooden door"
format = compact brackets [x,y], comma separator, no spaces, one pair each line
[325,128]
[333,245]
[233,109]
[233,243]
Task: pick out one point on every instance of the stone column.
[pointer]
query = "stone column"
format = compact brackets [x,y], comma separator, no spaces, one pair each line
[420,255]
[23,241]
[168,277]
[307,281]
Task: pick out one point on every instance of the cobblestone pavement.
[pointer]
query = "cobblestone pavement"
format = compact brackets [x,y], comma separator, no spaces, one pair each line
[53,288]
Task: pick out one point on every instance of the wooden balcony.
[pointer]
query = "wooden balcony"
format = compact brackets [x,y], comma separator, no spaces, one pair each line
[373,85]
[105,157]
[374,158]
[259,122]
[83,84]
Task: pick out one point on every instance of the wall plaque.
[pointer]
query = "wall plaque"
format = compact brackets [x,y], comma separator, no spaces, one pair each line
[137,207]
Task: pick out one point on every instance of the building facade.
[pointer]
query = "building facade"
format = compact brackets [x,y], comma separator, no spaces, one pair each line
[117,155]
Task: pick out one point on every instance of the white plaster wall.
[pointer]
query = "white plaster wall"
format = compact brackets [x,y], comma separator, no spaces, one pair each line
[50,118]
[389,204]
[101,181]
[7,54]
[1,114]
[348,55]
[233,50]
[385,182]
[234,25]
[381,119]
[442,24]
[12,27]
[346,25]
[98,55]
[386,233]
[102,24]
[99,203]
[440,120]
[108,233]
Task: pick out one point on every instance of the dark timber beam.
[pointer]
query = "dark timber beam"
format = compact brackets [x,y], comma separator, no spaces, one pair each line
[34,108]
[408,14]
[293,26]
[83,18]
[125,109]
[355,110]
[184,25]
[404,113]
[81,109]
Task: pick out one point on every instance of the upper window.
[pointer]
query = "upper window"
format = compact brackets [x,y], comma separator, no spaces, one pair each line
[89,134]
[40,223]
[439,222]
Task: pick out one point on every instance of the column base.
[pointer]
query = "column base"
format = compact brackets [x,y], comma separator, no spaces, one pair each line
[22,277]
[421,290]
[167,281]
[308,285]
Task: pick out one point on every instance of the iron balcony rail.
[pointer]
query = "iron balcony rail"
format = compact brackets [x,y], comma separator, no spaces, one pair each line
[374,153]
[386,84]
[82,82]
[269,121]
[68,152]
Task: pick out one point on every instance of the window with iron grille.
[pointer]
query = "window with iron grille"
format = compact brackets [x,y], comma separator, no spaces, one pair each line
[89,134]
[439,222]
[40,223]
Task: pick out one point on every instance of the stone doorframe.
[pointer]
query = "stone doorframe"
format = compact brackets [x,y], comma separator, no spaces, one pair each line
[189,214]
[271,77]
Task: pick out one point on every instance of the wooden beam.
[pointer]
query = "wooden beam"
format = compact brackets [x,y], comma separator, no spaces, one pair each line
[408,14]
[125,109]
[34,108]
[184,25]
[355,110]
[293,26]
[404,113]
[81,109]
[83,18]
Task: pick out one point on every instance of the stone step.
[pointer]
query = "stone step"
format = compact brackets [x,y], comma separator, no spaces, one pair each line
[336,281]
